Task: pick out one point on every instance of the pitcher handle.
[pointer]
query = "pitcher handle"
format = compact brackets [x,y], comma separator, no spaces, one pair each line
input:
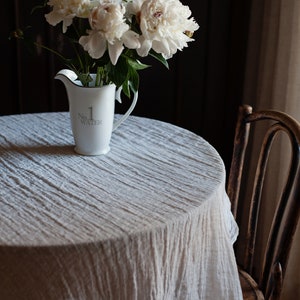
[129,111]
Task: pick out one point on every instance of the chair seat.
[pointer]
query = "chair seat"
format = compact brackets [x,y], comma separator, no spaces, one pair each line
[249,287]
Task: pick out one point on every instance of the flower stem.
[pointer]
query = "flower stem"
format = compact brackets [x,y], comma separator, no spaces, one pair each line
[98,77]
[49,49]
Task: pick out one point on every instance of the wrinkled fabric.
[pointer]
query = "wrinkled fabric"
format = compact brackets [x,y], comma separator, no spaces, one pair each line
[149,220]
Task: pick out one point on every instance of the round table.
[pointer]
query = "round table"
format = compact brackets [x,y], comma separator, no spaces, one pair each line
[149,220]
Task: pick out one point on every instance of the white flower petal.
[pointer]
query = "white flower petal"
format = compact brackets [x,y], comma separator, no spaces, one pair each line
[114,51]
[131,39]
[64,11]
[145,48]
[94,44]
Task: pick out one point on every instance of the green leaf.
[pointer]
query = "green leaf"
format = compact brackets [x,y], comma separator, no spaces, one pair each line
[41,6]
[134,79]
[85,78]
[136,64]
[118,73]
[125,88]
[159,57]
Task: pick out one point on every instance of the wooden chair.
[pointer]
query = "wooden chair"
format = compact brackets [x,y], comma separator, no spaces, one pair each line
[268,283]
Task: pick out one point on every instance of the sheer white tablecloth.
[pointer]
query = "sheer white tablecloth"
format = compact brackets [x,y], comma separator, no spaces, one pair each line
[149,220]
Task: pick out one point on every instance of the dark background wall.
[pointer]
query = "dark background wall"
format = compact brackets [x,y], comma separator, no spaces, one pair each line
[200,92]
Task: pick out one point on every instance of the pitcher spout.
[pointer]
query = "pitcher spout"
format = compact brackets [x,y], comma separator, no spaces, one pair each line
[68,77]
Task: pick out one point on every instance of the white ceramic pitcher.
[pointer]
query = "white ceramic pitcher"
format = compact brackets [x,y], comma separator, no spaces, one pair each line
[92,113]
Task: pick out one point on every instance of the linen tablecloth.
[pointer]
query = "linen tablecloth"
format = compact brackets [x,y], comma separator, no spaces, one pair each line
[149,220]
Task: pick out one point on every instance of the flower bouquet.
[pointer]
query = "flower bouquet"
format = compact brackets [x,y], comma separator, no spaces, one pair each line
[111,37]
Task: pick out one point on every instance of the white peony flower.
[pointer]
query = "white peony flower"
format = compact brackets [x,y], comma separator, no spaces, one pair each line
[65,10]
[108,31]
[166,26]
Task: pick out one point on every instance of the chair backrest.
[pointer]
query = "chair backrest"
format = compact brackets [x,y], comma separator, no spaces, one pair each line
[284,223]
